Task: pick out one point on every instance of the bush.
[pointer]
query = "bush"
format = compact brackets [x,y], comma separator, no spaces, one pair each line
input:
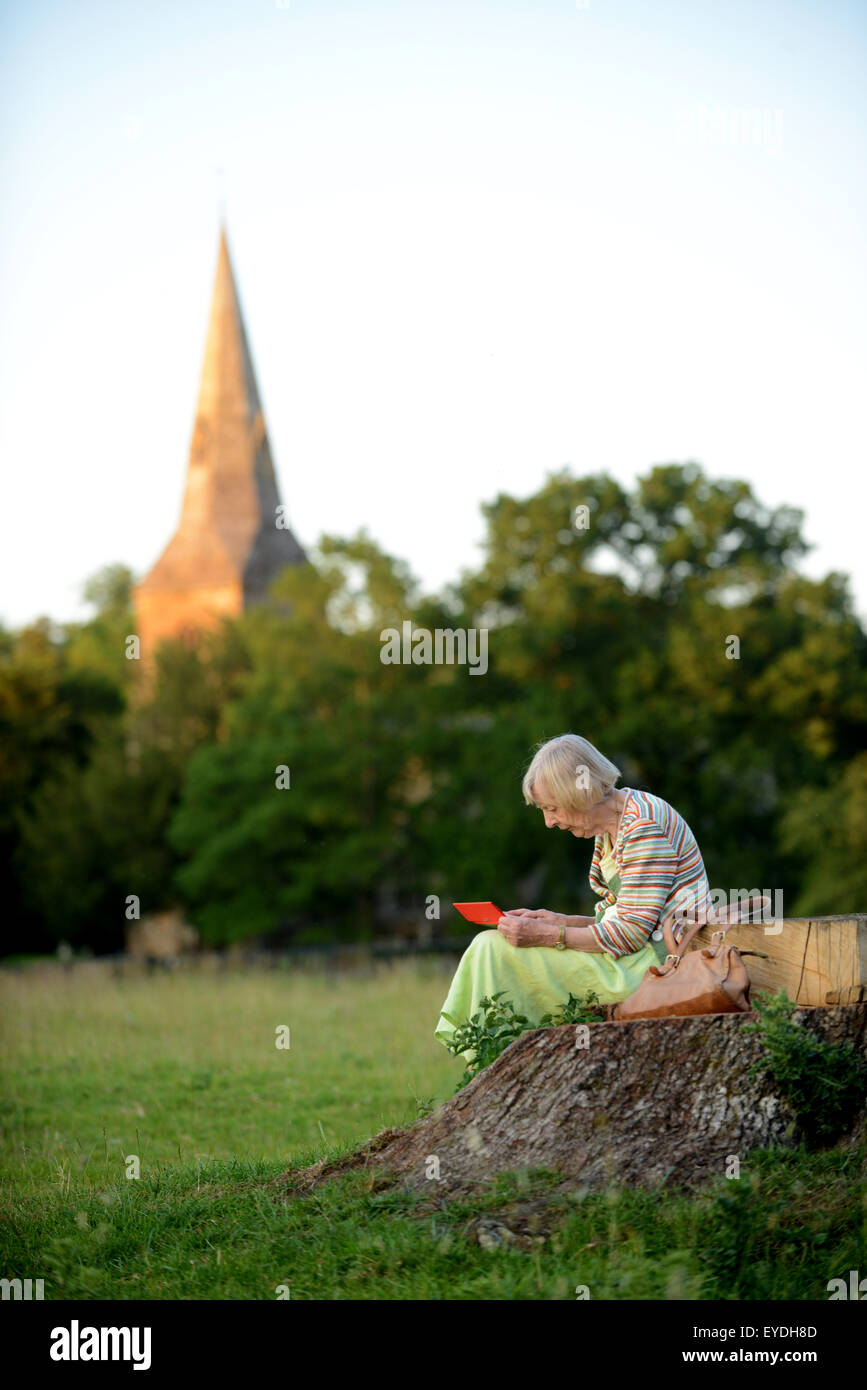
[825,1083]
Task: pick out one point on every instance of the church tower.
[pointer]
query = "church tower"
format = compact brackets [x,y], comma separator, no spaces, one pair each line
[228,546]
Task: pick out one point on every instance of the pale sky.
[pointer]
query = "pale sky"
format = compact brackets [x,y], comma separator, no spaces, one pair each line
[474,242]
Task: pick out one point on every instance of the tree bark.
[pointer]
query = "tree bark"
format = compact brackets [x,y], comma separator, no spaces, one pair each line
[645,1103]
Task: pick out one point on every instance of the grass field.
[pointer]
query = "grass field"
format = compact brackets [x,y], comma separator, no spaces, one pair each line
[182,1070]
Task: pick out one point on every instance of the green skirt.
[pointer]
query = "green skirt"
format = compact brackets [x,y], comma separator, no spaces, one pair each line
[537,979]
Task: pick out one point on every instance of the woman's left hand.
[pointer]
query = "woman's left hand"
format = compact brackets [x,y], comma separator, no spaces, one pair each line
[527,931]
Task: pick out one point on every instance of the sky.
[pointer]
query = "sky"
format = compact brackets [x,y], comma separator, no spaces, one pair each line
[474,243]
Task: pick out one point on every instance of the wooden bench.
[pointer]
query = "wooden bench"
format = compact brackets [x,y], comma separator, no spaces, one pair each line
[816,960]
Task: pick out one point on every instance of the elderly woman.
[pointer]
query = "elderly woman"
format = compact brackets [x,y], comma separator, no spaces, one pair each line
[646,867]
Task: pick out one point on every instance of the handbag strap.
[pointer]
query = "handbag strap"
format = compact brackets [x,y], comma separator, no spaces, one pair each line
[677,949]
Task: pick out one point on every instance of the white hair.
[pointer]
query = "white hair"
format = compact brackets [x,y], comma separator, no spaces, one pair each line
[575,773]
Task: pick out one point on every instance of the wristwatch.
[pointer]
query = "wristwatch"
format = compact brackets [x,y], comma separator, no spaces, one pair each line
[561,944]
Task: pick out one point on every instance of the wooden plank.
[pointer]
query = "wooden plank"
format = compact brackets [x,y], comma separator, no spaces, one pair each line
[855,994]
[808,957]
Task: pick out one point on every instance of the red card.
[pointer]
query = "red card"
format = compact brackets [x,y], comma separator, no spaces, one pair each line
[485,914]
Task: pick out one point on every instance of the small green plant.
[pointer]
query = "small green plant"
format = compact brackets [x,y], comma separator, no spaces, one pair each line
[488,1033]
[497,1024]
[825,1083]
[580,1010]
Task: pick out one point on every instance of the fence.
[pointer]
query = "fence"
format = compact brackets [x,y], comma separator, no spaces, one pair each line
[329,958]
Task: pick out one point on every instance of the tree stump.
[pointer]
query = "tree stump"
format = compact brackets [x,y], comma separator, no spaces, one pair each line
[644,1103]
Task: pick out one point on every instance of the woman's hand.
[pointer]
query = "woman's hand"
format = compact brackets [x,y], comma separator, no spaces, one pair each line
[528,928]
[541,914]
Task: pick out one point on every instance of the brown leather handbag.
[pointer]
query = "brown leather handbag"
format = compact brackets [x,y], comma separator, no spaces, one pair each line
[713,980]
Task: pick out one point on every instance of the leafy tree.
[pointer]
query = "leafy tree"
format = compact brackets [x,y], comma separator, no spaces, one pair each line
[826,830]
[99,644]
[50,715]
[668,623]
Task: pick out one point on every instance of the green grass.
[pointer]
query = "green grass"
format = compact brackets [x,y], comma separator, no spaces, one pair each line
[184,1066]
[182,1070]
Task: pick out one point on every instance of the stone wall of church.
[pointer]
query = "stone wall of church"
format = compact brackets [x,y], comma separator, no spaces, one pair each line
[180,613]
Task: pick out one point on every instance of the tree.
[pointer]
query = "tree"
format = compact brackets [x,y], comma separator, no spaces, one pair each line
[50,716]
[667,622]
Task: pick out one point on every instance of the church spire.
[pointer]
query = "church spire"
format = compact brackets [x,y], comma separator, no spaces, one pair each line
[228,383]
[228,545]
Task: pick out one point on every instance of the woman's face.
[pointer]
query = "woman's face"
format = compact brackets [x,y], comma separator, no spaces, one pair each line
[583,824]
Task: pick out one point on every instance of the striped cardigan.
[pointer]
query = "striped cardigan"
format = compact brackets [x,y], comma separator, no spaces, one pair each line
[660,866]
